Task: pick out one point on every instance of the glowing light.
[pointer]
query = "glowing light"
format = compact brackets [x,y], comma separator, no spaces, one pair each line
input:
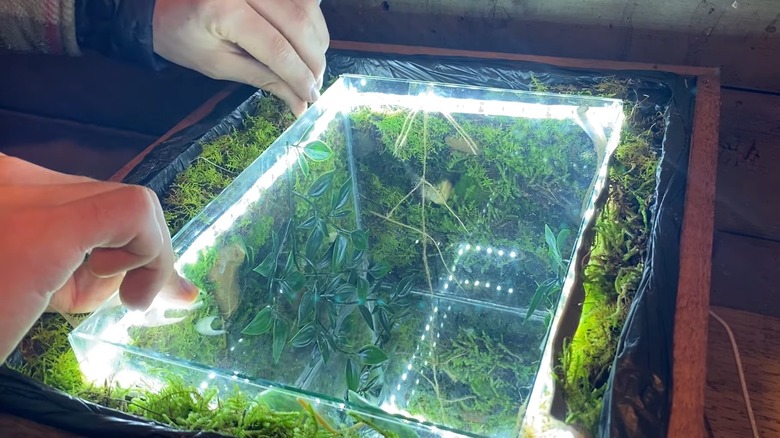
[513,254]
[501,252]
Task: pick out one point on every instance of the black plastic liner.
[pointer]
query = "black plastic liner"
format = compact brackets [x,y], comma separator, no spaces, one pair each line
[27,398]
[637,402]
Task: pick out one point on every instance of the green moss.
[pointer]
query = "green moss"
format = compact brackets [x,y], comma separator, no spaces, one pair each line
[48,357]
[222,160]
[614,268]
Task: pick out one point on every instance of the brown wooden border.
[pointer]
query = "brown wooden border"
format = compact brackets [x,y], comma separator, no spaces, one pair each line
[693,288]
[691,317]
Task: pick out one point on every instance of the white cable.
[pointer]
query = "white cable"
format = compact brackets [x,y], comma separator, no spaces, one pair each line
[740,372]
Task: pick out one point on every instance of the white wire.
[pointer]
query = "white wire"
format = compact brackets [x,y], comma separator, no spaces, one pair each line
[740,372]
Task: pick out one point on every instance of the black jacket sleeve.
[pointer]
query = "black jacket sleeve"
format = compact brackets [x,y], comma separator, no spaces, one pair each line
[119,29]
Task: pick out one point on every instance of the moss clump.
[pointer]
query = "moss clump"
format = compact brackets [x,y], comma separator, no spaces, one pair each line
[222,160]
[47,355]
[614,269]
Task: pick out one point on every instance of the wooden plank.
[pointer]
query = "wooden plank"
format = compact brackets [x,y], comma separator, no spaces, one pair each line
[22,428]
[748,200]
[66,146]
[746,274]
[693,289]
[742,38]
[759,349]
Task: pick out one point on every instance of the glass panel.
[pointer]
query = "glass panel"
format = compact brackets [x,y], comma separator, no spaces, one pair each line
[403,241]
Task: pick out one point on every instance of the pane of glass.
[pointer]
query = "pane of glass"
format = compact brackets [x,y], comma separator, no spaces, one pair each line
[404,241]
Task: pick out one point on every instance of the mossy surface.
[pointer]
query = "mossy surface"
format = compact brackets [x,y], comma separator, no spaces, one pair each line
[615,266]
[222,160]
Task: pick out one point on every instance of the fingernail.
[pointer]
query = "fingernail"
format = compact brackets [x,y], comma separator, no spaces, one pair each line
[190,289]
[315,93]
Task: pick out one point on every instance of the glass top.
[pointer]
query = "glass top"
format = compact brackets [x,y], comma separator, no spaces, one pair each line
[405,241]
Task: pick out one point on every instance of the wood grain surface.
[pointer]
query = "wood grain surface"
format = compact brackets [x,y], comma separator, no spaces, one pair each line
[759,348]
[690,322]
[741,36]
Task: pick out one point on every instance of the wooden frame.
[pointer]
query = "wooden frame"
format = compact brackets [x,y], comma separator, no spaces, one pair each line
[692,307]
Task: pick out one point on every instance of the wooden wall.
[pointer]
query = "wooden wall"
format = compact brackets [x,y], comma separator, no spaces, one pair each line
[742,37]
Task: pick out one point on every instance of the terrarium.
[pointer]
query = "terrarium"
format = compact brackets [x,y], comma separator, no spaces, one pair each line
[395,263]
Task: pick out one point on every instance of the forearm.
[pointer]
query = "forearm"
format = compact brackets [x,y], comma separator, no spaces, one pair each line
[120,29]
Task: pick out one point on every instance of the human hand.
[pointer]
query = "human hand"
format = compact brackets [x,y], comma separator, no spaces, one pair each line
[276,45]
[49,223]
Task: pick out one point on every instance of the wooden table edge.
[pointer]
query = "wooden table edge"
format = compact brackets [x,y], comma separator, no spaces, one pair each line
[693,288]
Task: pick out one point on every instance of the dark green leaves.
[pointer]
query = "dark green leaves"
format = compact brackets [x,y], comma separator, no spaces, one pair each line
[379,270]
[314,242]
[321,184]
[362,290]
[317,150]
[260,324]
[542,291]
[353,375]
[366,316]
[341,199]
[371,355]
[304,337]
[339,253]
[267,266]
[281,331]
[359,239]
[304,166]
[295,281]
[306,307]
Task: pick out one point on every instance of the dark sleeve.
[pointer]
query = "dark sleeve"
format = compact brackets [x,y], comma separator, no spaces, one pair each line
[119,29]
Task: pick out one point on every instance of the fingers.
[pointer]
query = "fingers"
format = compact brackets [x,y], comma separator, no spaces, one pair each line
[303,25]
[17,171]
[248,70]
[24,195]
[253,33]
[88,291]
[124,223]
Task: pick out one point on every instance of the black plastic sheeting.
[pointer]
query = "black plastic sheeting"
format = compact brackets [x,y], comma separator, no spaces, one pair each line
[27,398]
[637,402]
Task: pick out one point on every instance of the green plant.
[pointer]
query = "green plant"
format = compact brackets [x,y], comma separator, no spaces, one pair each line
[546,290]
[324,278]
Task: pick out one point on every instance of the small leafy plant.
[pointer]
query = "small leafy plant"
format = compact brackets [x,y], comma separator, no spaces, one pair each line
[552,285]
[318,266]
